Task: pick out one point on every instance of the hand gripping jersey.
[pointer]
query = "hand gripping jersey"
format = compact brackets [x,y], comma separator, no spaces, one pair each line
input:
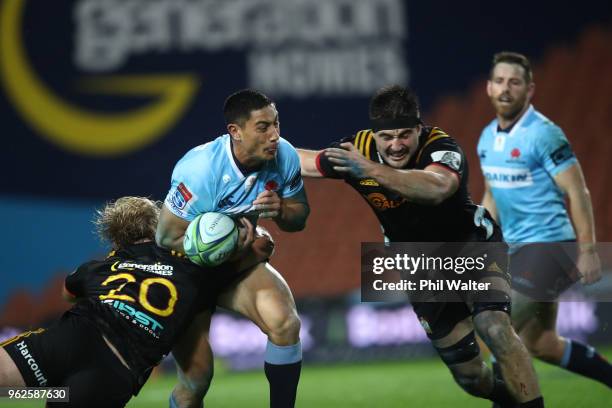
[454,220]
[141,298]
[519,166]
[208,179]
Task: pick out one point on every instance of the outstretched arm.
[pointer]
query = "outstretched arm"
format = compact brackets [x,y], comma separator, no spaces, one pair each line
[308,163]
[430,186]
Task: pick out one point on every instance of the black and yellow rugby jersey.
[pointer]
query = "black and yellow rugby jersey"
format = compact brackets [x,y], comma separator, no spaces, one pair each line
[456,219]
[141,298]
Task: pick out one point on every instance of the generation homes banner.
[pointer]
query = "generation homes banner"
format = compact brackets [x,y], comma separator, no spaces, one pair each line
[99,98]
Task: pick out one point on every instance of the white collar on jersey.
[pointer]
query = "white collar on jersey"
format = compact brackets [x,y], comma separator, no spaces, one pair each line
[230,157]
[517,125]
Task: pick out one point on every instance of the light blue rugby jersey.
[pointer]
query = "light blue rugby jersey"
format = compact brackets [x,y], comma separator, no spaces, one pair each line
[519,167]
[207,179]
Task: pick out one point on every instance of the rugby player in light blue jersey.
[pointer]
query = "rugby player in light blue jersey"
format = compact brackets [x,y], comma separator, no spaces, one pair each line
[249,173]
[529,169]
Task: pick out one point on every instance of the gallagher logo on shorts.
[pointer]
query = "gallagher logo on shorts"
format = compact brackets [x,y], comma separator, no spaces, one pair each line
[181,196]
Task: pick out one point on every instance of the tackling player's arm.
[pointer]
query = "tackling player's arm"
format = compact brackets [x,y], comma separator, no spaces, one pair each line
[308,162]
[429,186]
[571,182]
[488,202]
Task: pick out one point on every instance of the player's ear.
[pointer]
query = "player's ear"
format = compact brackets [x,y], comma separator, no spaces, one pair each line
[234,131]
[530,90]
[489,86]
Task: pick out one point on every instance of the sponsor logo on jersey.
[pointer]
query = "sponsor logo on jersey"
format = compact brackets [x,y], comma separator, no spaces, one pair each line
[504,177]
[448,158]
[32,363]
[369,182]
[157,268]
[185,192]
[515,153]
[136,317]
[562,154]
[382,203]
[181,196]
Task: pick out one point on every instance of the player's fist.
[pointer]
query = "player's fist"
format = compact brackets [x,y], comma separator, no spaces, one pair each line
[268,203]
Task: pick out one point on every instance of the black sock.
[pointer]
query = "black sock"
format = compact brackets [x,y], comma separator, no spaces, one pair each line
[283,379]
[585,360]
[501,396]
[534,403]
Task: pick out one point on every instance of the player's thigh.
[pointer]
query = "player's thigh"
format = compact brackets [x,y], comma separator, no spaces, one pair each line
[95,387]
[542,320]
[537,315]
[10,376]
[192,352]
[262,295]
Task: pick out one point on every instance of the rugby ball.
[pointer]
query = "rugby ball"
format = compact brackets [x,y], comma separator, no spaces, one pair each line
[210,239]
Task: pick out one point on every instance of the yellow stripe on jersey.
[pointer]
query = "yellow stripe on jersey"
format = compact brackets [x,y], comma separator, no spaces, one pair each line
[434,134]
[368,142]
[21,336]
[357,140]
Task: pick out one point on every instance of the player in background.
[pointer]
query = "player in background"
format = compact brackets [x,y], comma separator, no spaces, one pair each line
[131,308]
[414,177]
[248,173]
[529,168]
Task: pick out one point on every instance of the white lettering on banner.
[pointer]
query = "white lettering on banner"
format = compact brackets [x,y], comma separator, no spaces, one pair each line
[505,177]
[294,47]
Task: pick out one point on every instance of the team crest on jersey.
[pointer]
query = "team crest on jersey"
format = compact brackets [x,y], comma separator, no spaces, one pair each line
[448,158]
[271,185]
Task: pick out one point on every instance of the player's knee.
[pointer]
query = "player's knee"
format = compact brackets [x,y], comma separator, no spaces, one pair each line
[284,328]
[496,330]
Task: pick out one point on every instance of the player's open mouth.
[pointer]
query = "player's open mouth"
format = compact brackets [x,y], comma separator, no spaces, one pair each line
[504,99]
[397,156]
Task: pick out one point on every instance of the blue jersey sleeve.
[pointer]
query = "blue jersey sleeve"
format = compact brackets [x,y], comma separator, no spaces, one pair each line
[553,150]
[192,190]
[293,182]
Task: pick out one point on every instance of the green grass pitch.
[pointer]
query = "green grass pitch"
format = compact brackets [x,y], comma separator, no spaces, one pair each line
[421,383]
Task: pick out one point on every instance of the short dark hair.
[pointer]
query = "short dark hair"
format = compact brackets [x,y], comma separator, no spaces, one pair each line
[239,105]
[510,57]
[392,102]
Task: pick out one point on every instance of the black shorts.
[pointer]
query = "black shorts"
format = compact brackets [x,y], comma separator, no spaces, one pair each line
[438,318]
[543,271]
[72,353]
